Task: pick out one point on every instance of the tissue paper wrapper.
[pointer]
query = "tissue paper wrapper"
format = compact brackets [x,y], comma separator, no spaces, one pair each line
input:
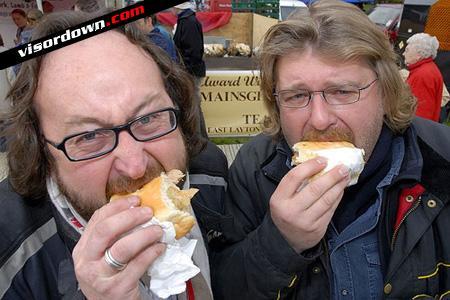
[174,267]
[352,158]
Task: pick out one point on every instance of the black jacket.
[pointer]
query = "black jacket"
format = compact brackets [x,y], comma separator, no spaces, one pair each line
[36,243]
[189,40]
[254,261]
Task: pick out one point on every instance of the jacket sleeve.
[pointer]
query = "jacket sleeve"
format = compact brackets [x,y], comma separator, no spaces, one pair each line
[256,262]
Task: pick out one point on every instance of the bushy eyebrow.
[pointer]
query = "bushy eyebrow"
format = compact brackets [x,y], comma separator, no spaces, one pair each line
[327,85]
[82,119]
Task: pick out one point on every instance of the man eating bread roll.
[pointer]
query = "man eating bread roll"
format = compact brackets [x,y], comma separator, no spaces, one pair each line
[344,195]
[102,116]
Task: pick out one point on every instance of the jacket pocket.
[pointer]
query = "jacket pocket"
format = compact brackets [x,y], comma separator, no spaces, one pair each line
[437,280]
[375,277]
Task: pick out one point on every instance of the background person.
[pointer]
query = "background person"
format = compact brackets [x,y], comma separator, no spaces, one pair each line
[157,37]
[424,77]
[19,18]
[47,7]
[65,162]
[161,27]
[445,104]
[33,17]
[330,74]
[88,6]
[188,38]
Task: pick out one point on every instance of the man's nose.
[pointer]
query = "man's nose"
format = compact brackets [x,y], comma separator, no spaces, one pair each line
[321,115]
[131,159]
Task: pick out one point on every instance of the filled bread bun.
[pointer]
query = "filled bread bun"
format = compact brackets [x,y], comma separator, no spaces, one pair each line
[168,202]
[336,153]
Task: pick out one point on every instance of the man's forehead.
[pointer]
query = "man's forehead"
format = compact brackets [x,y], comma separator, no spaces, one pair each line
[92,59]
[103,67]
[97,50]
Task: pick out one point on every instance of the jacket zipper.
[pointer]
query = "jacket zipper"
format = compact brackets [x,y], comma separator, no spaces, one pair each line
[394,235]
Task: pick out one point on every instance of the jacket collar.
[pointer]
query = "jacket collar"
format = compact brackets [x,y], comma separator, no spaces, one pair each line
[412,164]
[185,13]
[435,171]
[422,164]
[419,63]
[277,164]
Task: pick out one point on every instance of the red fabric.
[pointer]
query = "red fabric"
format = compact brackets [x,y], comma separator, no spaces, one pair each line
[189,290]
[209,20]
[403,205]
[426,84]
[75,222]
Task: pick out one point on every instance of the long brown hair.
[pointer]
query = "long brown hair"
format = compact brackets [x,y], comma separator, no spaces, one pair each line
[340,32]
[28,157]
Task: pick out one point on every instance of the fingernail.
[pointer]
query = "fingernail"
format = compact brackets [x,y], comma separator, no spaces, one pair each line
[321,160]
[146,210]
[133,201]
[344,171]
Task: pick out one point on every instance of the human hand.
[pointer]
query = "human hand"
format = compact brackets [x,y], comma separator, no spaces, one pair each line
[109,228]
[302,210]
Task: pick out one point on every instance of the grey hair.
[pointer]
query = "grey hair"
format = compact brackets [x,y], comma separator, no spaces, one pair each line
[35,14]
[424,44]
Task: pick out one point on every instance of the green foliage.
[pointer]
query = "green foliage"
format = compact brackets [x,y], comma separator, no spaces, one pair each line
[229,140]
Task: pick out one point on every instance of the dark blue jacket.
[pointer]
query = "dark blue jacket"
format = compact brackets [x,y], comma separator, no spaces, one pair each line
[251,259]
[162,41]
[36,243]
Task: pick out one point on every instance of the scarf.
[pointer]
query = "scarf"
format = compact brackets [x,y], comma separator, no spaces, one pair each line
[359,197]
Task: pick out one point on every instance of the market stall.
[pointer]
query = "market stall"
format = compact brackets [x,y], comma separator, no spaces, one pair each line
[231,97]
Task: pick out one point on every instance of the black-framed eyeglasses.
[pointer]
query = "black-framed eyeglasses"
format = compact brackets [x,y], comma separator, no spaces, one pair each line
[92,144]
[341,95]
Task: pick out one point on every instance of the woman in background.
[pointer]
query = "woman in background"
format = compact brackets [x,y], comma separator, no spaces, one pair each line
[424,78]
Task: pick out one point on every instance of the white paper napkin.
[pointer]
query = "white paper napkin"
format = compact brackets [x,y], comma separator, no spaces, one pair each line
[352,158]
[169,272]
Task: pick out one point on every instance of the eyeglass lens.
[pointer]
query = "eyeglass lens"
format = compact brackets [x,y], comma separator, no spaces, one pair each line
[102,141]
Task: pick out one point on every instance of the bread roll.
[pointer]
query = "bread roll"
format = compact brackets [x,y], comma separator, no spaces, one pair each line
[167,201]
[336,153]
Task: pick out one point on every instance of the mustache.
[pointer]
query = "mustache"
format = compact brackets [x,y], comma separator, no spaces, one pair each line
[125,185]
[329,135]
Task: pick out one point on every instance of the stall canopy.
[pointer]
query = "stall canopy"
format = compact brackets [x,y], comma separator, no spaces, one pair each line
[209,20]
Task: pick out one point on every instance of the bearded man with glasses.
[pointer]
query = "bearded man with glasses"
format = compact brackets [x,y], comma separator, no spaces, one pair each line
[328,74]
[100,117]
